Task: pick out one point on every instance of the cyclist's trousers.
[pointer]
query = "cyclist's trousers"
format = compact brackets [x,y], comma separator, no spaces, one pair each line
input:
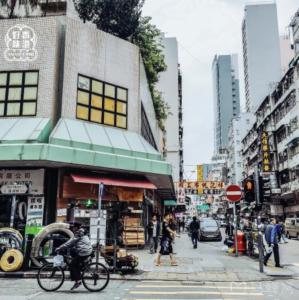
[76,266]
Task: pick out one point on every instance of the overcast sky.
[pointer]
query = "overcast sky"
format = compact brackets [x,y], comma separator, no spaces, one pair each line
[204,28]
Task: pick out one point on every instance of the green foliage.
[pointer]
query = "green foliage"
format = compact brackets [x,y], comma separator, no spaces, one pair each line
[148,38]
[85,9]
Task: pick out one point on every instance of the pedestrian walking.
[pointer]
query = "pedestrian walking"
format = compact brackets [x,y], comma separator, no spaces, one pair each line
[166,241]
[153,230]
[271,236]
[194,230]
[183,224]
[281,233]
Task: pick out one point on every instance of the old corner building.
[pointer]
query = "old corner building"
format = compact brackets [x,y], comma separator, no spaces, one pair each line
[75,111]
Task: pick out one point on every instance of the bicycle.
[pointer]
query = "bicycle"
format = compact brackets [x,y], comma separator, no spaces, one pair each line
[95,276]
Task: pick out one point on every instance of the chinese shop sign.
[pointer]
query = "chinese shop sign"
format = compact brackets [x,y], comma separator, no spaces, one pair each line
[30,181]
[202,187]
[266,166]
[20,43]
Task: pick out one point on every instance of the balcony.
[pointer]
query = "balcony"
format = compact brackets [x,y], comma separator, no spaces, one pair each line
[290,187]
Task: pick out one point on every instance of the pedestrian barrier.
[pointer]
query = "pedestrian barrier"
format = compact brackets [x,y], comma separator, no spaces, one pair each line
[11,260]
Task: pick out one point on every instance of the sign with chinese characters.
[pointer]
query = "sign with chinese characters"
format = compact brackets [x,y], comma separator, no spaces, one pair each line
[200,173]
[266,166]
[33,180]
[181,196]
[202,187]
[35,212]
[20,43]
[13,189]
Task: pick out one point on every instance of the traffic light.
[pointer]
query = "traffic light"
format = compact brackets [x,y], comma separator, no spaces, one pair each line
[265,188]
[248,186]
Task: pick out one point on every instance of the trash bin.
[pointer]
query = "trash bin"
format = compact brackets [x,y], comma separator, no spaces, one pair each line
[241,242]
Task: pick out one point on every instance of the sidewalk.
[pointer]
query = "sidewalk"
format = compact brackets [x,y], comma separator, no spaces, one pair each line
[208,263]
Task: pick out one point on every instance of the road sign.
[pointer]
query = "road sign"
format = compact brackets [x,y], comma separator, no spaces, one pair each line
[234,193]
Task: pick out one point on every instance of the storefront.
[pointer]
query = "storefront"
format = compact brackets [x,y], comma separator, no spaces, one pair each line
[124,205]
[64,168]
[22,199]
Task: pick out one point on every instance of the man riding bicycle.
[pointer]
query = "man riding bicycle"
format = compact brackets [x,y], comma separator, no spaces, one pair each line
[81,249]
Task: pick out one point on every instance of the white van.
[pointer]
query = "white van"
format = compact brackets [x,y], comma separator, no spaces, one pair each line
[292,227]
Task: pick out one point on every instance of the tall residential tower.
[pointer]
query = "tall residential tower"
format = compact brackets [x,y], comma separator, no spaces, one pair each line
[226,97]
[261,52]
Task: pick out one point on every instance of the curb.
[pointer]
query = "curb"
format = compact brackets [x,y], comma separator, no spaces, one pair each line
[32,275]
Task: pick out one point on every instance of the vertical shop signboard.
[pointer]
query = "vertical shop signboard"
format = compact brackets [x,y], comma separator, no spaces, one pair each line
[265,152]
[200,178]
[35,214]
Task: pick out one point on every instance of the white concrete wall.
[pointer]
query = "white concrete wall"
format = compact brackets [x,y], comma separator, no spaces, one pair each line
[102,56]
[168,85]
[47,63]
[286,52]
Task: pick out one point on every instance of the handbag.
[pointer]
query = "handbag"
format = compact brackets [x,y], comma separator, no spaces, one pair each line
[58,261]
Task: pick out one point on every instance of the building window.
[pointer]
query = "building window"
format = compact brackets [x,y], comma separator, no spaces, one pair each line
[146,131]
[18,93]
[102,102]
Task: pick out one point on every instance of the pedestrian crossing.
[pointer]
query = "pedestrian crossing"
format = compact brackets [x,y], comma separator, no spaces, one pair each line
[175,290]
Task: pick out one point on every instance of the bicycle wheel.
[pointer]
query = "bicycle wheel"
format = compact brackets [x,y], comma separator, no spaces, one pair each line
[95,277]
[50,278]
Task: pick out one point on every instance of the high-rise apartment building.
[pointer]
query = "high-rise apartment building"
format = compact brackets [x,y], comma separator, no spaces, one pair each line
[170,84]
[261,52]
[295,32]
[226,97]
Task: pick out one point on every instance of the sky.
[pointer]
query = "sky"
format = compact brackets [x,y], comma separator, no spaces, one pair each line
[204,28]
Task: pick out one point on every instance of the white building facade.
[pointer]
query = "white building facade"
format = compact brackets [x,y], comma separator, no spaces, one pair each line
[170,84]
[261,52]
[226,97]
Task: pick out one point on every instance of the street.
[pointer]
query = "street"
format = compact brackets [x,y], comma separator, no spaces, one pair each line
[204,273]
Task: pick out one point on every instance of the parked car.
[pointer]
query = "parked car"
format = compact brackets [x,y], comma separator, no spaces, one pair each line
[292,227]
[209,230]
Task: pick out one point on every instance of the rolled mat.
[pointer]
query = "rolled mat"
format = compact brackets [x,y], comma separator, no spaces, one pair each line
[11,260]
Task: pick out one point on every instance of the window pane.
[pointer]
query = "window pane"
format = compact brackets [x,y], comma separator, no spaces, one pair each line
[14,94]
[30,93]
[84,83]
[96,116]
[96,101]
[3,77]
[15,78]
[2,94]
[121,121]
[110,90]
[29,109]
[13,109]
[31,78]
[82,112]
[83,97]
[97,87]
[109,104]
[121,107]
[108,118]
[121,94]
[1,109]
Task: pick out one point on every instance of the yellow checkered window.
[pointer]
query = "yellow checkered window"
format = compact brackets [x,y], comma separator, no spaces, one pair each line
[100,102]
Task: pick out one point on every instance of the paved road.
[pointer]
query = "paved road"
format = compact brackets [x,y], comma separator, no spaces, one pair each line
[27,289]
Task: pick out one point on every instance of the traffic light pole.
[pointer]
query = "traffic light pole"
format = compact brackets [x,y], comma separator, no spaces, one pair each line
[236,231]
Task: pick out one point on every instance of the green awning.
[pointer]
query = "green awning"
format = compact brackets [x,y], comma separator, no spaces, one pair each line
[170,203]
[81,144]
[24,130]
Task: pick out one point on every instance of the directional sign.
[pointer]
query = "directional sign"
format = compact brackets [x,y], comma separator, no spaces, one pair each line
[234,193]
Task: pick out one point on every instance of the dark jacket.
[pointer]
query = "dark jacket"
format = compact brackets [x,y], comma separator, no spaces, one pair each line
[194,226]
[150,228]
